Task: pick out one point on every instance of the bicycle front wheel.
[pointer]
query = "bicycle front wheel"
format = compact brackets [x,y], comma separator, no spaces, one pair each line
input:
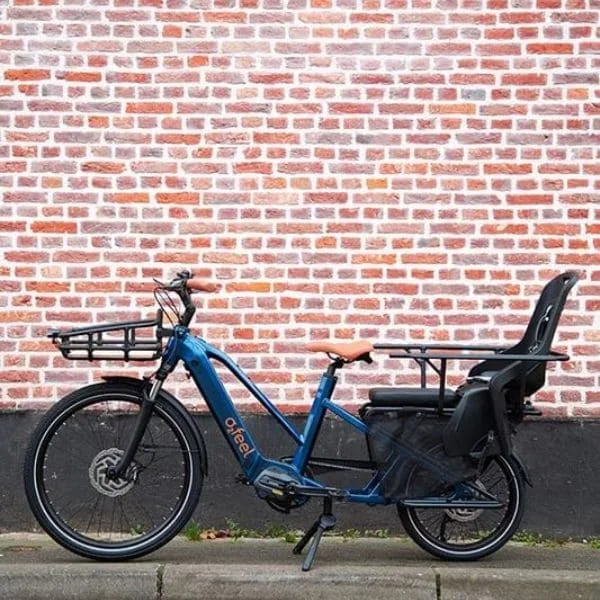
[90,514]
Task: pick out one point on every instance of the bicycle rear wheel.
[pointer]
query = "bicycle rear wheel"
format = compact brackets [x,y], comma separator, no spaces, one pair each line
[470,534]
[85,511]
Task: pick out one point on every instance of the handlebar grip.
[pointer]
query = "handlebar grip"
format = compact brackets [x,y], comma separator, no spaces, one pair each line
[199,285]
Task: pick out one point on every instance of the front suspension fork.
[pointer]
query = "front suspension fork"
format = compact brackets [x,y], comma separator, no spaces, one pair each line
[148,402]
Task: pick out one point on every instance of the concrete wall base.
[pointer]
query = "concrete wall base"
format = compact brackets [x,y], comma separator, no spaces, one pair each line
[563,459]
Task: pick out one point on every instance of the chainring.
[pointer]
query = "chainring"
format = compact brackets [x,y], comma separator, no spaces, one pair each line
[288,503]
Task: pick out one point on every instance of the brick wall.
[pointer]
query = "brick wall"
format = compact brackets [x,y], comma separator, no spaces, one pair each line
[381,169]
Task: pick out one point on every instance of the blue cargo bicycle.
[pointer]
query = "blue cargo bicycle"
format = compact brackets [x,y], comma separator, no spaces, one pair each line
[114,470]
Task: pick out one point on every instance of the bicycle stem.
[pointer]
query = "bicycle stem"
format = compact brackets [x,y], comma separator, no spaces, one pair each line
[119,470]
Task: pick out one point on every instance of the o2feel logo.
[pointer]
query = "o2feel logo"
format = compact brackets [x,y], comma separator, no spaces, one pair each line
[238,434]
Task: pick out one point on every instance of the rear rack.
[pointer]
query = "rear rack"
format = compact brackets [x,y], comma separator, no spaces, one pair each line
[424,353]
[129,340]
[423,358]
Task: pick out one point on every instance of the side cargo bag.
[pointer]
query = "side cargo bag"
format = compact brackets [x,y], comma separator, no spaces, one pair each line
[420,453]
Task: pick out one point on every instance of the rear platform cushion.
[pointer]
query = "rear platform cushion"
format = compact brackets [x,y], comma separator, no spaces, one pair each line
[421,397]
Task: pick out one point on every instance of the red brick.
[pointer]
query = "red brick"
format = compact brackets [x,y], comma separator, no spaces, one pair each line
[276,138]
[507,168]
[177,198]
[424,258]
[225,257]
[103,167]
[101,122]
[498,49]
[149,107]
[82,76]
[529,199]
[578,259]
[327,198]
[550,48]
[128,197]
[350,107]
[12,225]
[53,227]
[562,229]
[198,61]
[522,17]
[271,78]
[14,316]
[74,256]
[526,259]
[47,286]
[178,138]
[180,258]
[401,108]
[253,167]
[388,259]
[448,48]
[225,17]
[524,79]
[172,31]
[26,256]
[85,287]
[401,289]
[19,376]
[504,229]
[463,109]
[26,74]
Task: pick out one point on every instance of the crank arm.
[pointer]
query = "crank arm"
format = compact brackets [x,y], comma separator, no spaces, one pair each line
[325,492]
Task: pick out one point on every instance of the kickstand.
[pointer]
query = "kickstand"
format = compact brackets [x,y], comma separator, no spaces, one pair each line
[324,523]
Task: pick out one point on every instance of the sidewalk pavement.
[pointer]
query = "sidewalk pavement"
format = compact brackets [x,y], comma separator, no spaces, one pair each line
[32,566]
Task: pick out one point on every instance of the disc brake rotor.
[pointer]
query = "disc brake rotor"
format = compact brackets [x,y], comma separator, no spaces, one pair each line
[464,515]
[99,478]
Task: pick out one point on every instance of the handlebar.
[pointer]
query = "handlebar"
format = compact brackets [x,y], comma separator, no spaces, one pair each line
[200,285]
[184,285]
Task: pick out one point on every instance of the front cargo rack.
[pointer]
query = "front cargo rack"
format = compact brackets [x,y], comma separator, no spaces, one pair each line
[129,340]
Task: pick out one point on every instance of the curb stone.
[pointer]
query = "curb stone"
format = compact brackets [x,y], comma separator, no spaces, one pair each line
[224,582]
[109,581]
[510,584]
[151,581]
[32,566]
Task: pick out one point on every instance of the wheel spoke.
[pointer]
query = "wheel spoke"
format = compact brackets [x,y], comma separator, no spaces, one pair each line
[92,514]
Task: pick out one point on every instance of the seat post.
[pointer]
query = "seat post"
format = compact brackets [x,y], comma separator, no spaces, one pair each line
[334,365]
[316,414]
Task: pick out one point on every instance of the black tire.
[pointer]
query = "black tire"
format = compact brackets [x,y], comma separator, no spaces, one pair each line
[463,534]
[102,519]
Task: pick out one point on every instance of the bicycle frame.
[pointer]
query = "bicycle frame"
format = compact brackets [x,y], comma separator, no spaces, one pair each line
[197,354]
